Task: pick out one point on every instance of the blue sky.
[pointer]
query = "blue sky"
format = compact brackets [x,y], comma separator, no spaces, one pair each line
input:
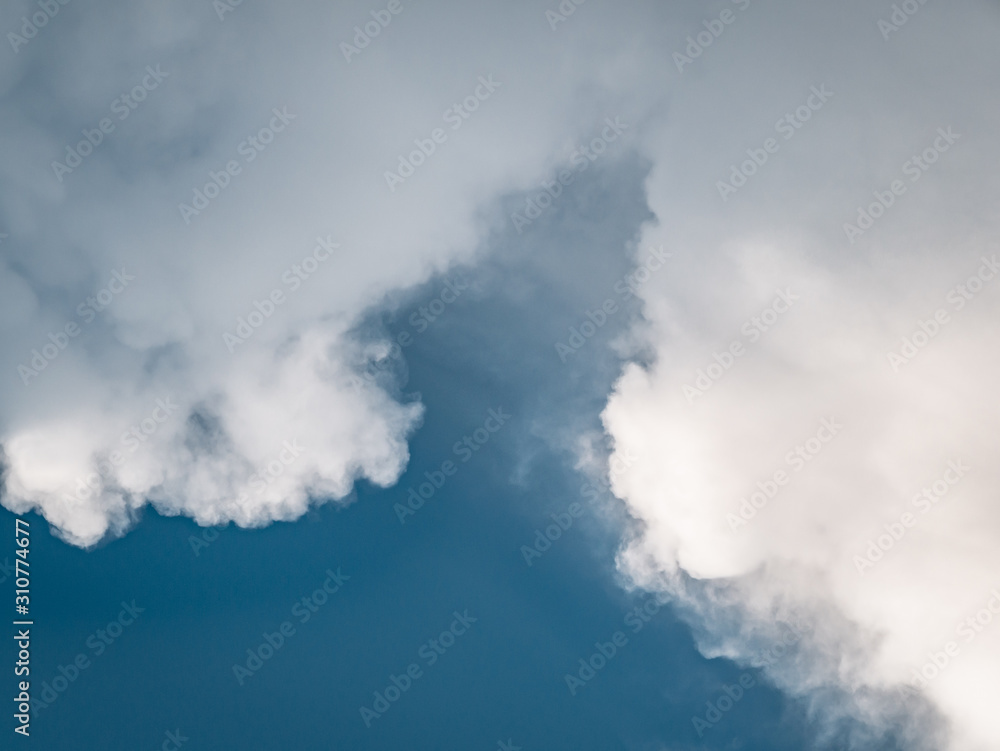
[206,602]
[505,679]
[475,375]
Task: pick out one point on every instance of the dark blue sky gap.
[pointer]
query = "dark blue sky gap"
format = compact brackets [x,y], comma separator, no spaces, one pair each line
[502,679]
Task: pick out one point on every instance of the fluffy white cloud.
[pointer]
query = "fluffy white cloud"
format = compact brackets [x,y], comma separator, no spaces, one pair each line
[154,293]
[790,444]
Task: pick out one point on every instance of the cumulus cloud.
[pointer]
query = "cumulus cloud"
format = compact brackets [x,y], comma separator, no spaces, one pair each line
[821,396]
[199,209]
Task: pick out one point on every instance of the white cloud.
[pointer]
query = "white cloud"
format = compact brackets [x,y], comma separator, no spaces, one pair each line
[825,356]
[321,175]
